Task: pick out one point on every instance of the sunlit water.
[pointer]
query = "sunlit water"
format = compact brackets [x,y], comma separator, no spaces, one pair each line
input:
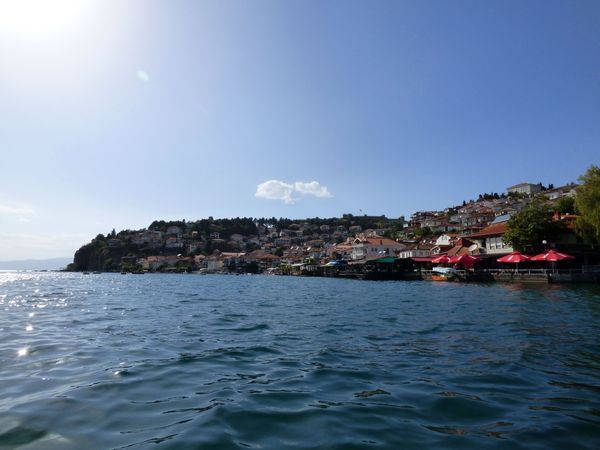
[190,361]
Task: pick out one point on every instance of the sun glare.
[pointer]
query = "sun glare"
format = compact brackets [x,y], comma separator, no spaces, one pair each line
[38,17]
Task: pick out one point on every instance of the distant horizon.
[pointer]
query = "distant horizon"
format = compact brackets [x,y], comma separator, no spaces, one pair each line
[56,263]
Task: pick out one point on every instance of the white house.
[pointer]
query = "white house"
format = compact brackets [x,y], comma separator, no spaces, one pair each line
[415,251]
[524,188]
[446,240]
[372,247]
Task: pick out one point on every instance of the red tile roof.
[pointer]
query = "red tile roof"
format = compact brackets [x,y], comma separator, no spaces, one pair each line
[497,229]
[458,251]
[378,241]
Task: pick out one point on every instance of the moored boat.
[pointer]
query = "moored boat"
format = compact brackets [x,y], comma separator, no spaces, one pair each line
[444,274]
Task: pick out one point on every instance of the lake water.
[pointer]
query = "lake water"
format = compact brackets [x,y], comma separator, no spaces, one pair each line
[248,362]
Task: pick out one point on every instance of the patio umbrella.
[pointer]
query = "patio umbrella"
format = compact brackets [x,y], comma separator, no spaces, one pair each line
[552,256]
[514,257]
[442,259]
[465,259]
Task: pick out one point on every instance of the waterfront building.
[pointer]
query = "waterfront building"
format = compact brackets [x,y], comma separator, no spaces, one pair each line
[491,238]
[370,247]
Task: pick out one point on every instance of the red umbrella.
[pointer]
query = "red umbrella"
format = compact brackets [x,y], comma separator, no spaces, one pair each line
[465,259]
[514,257]
[551,255]
[442,259]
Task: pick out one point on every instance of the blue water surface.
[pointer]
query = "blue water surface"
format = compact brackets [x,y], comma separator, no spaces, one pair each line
[259,362]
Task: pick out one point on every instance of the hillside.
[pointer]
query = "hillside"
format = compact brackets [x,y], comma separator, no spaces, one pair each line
[120,251]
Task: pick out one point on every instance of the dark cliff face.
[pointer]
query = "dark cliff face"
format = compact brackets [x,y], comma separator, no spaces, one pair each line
[97,256]
[81,260]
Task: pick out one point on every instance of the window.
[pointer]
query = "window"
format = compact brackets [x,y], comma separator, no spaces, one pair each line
[495,243]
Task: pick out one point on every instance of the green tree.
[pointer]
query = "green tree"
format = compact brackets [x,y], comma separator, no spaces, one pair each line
[423,232]
[566,205]
[532,226]
[587,203]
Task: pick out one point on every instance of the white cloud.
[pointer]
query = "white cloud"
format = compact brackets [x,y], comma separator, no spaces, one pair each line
[312,188]
[275,190]
[280,190]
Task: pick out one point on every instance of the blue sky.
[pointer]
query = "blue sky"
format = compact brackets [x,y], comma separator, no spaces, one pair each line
[115,113]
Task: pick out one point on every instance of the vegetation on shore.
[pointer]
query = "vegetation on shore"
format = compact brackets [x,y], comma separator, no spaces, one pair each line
[587,204]
[532,226]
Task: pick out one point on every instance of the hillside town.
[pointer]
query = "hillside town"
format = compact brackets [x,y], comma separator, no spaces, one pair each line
[475,228]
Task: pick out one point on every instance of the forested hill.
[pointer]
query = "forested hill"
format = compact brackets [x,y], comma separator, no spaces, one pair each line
[118,250]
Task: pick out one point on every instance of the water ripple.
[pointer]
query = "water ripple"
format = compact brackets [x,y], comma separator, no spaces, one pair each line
[182,361]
